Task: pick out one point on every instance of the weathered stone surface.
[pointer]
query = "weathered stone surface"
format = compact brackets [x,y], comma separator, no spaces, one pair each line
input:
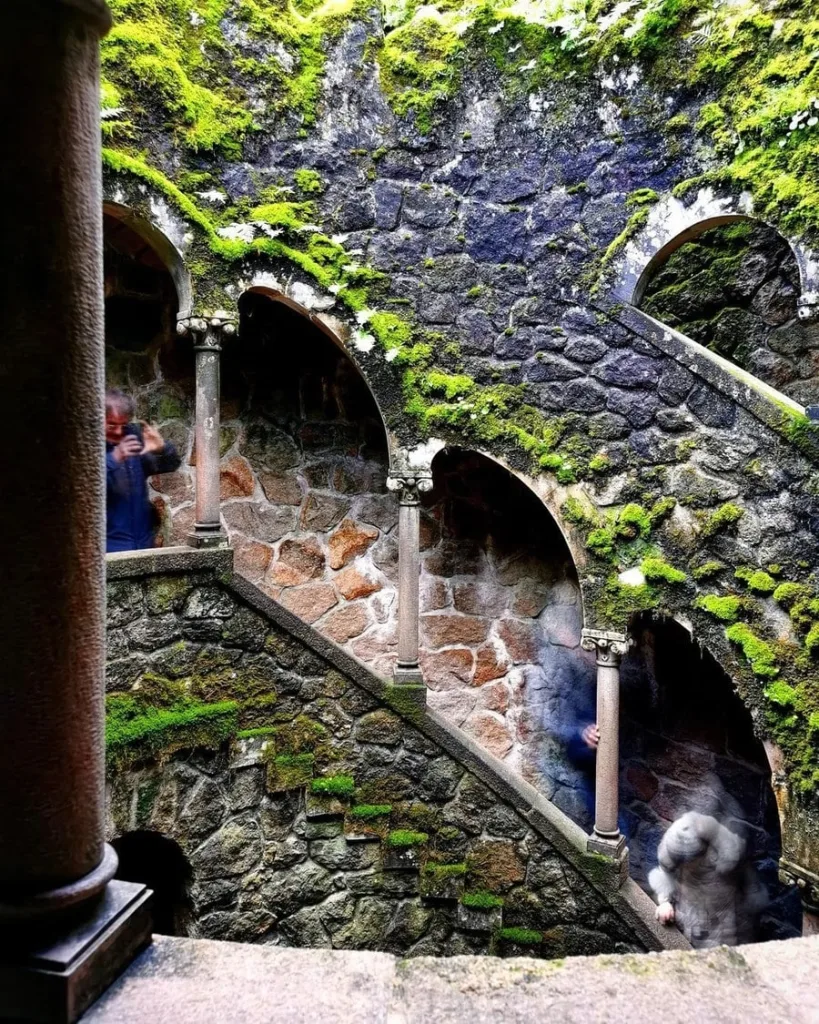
[267,524]
[448,630]
[322,512]
[491,731]
[353,584]
[299,560]
[348,541]
[309,601]
[281,488]
[448,668]
[235,478]
[347,622]
[233,850]
[488,665]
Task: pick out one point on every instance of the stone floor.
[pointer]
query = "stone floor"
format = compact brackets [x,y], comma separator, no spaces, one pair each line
[187,981]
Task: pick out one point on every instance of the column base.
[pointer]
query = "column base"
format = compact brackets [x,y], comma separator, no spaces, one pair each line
[614,849]
[207,538]
[56,982]
[408,675]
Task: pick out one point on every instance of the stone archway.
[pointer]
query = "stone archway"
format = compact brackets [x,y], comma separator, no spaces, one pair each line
[687,743]
[158,862]
[501,605]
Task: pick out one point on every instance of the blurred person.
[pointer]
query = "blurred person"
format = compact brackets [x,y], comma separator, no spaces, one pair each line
[705,883]
[133,452]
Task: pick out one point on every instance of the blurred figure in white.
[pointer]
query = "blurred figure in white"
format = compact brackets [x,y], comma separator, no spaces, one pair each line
[705,883]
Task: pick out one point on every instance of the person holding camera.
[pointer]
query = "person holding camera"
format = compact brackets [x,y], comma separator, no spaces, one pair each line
[133,452]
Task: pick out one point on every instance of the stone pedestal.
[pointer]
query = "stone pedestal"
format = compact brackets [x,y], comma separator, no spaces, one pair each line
[59,946]
[409,488]
[609,648]
[207,334]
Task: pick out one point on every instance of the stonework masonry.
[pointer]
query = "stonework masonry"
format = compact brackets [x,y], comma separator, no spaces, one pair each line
[328,812]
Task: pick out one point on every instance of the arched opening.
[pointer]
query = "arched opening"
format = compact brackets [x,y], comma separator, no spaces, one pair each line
[146,287]
[159,863]
[303,474]
[687,744]
[501,607]
[733,287]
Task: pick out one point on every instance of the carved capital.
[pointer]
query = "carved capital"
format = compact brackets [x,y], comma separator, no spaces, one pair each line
[609,647]
[409,487]
[207,330]
[805,881]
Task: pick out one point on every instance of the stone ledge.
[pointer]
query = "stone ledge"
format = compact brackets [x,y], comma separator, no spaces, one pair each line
[764,402]
[155,561]
[187,981]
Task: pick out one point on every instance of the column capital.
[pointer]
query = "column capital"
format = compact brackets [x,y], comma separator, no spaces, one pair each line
[207,329]
[409,486]
[609,646]
[806,882]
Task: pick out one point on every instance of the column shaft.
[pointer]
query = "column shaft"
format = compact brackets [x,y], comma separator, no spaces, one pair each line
[207,531]
[51,421]
[609,649]
[409,562]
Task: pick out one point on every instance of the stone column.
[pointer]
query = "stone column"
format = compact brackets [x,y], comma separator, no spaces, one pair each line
[65,928]
[609,648]
[207,334]
[409,488]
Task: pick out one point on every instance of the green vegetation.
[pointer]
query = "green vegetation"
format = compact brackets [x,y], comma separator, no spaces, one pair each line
[723,518]
[441,871]
[404,837]
[136,731]
[481,900]
[366,812]
[333,785]
[760,654]
[521,936]
[757,580]
[726,609]
[656,570]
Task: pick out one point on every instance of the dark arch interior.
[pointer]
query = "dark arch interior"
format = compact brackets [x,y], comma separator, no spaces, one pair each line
[734,289]
[483,508]
[140,306]
[159,863]
[288,371]
[687,743]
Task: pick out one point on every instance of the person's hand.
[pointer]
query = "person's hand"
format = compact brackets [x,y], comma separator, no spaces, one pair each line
[152,438]
[128,447]
[591,736]
[665,913]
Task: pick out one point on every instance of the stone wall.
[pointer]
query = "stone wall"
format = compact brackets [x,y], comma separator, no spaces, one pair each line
[734,290]
[329,812]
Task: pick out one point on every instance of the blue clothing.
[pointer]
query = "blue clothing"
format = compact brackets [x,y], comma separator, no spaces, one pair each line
[130,519]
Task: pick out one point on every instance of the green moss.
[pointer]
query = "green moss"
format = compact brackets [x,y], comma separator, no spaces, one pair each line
[656,570]
[812,639]
[758,581]
[758,653]
[441,871]
[726,609]
[599,463]
[404,837]
[787,594]
[289,771]
[723,518]
[333,785]
[366,812]
[781,693]
[481,900]
[521,936]
[707,570]
[309,182]
[136,731]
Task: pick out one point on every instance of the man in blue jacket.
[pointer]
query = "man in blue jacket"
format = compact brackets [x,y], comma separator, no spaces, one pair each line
[133,452]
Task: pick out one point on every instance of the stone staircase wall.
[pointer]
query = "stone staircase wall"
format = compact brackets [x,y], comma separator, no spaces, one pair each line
[319,806]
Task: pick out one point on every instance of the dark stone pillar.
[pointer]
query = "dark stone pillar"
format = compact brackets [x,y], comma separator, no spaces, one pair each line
[56,903]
